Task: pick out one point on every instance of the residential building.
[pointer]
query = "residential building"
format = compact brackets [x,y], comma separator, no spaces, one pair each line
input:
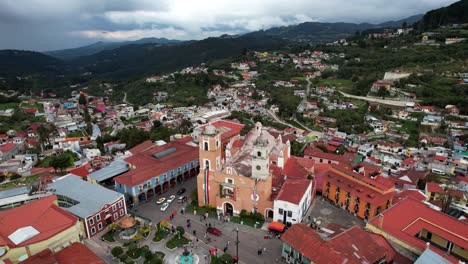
[28,229]
[96,206]
[365,196]
[76,253]
[302,244]
[412,224]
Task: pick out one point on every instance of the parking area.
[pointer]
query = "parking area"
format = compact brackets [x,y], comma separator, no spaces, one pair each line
[328,213]
[149,209]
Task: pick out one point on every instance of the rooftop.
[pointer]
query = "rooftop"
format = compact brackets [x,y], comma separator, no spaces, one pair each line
[33,222]
[90,198]
[293,190]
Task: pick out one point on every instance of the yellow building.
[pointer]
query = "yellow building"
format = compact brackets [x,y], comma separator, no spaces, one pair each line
[435,194]
[29,229]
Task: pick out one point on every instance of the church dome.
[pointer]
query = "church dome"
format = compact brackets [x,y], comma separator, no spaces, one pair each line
[209,130]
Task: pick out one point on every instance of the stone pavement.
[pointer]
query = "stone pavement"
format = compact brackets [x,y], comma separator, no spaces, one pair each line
[251,239]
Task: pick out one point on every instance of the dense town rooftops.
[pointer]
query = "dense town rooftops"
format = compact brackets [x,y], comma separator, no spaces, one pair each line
[33,222]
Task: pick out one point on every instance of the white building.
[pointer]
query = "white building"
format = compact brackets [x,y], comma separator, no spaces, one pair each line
[91,153]
[293,201]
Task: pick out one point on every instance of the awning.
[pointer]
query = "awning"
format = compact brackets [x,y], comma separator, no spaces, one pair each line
[276,226]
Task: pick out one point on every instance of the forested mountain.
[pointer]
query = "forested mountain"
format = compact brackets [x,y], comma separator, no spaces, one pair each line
[94,48]
[456,13]
[317,32]
[133,60]
[19,62]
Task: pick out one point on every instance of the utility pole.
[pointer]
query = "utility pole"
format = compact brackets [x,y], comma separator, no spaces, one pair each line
[237,245]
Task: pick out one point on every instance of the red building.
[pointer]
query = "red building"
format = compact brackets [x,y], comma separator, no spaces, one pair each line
[365,196]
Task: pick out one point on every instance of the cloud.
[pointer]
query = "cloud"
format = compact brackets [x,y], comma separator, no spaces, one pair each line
[80,21]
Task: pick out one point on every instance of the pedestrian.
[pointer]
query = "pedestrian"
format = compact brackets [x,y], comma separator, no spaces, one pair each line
[228,242]
[225,249]
[209,224]
[204,235]
[206,224]
[194,232]
[259,251]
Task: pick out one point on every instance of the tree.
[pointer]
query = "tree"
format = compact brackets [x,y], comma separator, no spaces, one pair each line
[82,100]
[405,26]
[382,92]
[60,162]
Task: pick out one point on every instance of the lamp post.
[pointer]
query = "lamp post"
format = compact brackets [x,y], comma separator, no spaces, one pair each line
[237,245]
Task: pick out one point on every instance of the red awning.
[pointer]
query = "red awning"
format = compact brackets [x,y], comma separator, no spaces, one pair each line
[276,226]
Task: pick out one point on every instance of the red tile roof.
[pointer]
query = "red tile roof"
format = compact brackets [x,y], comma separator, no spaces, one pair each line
[413,193]
[42,214]
[293,168]
[318,153]
[7,147]
[351,246]
[141,147]
[148,166]
[44,257]
[408,217]
[434,187]
[78,253]
[293,190]
[228,128]
[80,171]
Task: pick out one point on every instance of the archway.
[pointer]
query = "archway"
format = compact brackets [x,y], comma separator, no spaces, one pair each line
[142,197]
[269,214]
[165,186]
[150,194]
[228,209]
[158,189]
[180,179]
[173,182]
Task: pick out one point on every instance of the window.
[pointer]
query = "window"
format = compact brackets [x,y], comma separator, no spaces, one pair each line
[280,211]
[120,204]
[429,236]
[93,231]
[321,160]
[116,216]
[329,162]
[91,221]
[114,207]
[289,213]
[206,146]
[230,181]
[121,212]
[99,226]
[217,143]
[98,217]
[259,154]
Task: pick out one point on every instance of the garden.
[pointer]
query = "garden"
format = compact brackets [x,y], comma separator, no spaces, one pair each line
[178,239]
[130,252]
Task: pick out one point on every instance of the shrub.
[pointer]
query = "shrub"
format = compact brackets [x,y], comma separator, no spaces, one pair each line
[15,177]
[244,213]
[2,178]
[164,224]
[123,258]
[117,251]
[180,230]
[226,258]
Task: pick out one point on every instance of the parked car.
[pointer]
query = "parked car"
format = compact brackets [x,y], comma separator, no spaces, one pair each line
[171,198]
[182,199]
[214,231]
[161,200]
[181,191]
[164,206]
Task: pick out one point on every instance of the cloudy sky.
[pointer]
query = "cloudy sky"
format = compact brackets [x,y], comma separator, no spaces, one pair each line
[57,24]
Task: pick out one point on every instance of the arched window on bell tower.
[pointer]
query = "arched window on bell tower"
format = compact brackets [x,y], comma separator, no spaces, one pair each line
[205,146]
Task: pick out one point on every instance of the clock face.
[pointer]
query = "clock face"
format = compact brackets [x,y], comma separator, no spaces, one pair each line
[258,167]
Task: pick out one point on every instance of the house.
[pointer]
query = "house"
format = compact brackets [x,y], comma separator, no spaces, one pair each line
[435,193]
[96,206]
[29,229]
[363,195]
[376,85]
[154,168]
[293,201]
[319,156]
[76,253]
[8,150]
[414,225]
[302,244]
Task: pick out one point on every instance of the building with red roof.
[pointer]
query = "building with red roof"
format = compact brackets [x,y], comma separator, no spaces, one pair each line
[362,195]
[319,156]
[413,225]
[28,229]
[153,168]
[293,201]
[435,193]
[302,244]
[76,253]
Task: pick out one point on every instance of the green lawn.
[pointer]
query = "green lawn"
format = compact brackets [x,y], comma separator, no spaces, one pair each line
[21,181]
[202,210]
[36,106]
[247,221]
[175,242]
[8,106]
[76,133]
[160,235]
[341,84]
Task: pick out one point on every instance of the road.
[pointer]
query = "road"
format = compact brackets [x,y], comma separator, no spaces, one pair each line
[125,99]
[376,100]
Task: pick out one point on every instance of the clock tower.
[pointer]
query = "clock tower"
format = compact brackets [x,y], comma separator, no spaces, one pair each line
[260,155]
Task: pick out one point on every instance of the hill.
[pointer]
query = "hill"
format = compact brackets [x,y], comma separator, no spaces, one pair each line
[317,32]
[456,13]
[68,54]
[136,60]
[19,62]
